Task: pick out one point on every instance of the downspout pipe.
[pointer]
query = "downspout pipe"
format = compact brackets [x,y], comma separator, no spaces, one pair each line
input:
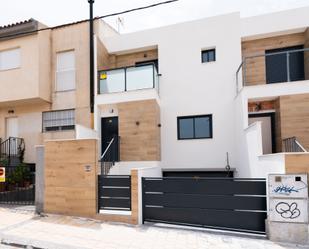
[91,55]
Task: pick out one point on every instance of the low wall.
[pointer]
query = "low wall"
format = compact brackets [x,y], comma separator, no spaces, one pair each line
[70,187]
[70,180]
[297,163]
[82,132]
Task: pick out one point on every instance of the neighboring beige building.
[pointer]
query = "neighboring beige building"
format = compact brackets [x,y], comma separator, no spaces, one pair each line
[44,81]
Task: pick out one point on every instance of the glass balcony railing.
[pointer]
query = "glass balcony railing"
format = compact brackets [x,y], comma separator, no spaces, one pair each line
[274,66]
[128,79]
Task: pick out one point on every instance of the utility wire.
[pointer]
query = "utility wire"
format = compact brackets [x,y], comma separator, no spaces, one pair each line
[85,20]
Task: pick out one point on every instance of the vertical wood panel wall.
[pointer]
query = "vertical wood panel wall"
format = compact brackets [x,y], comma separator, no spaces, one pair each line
[139,130]
[297,163]
[72,190]
[69,189]
[255,67]
[110,61]
[294,116]
[307,54]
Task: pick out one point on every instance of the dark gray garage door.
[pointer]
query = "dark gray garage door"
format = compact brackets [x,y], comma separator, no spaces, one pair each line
[221,203]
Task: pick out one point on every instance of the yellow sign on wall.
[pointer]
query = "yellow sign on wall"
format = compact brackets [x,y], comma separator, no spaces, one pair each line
[2,174]
[103,76]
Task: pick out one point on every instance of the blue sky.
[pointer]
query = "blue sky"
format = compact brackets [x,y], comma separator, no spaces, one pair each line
[54,12]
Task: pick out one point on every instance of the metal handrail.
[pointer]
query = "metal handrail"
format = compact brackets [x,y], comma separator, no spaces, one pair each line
[244,62]
[291,144]
[300,146]
[12,147]
[107,148]
[108,162]
[276,53]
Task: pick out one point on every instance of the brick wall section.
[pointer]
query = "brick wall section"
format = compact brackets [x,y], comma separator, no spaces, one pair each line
[261,106]
[139,130]
[255,73]
[294,115]
[70,189]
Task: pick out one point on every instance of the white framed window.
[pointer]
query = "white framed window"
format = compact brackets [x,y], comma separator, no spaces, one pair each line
[10,59]
[65,71]
[61,120]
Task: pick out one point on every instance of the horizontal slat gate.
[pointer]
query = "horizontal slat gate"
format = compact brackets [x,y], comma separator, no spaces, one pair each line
[225,203]
[114,192]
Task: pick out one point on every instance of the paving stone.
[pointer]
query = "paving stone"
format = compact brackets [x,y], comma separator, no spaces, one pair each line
[54,231]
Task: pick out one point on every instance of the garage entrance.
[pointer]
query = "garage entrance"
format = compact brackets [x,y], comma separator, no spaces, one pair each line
[220,203]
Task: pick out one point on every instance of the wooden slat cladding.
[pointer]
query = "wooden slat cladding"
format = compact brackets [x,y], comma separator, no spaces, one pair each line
[69,189]
[125,60]
[139,130]
[307,54]
[255,67]
[278,126]
[294,117]
[130,59]
[297,163]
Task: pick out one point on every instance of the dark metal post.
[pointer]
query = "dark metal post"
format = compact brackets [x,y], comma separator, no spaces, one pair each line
[288,66]
[245,73]
[91,2]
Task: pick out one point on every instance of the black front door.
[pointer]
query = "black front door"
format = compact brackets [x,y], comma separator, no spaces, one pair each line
[276,65]
[109,130]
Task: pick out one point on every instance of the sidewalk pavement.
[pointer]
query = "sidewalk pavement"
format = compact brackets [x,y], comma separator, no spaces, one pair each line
[20,226]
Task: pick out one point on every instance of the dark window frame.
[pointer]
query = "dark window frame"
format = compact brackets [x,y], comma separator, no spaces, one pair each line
[207,51]
[47,129]
[194,117]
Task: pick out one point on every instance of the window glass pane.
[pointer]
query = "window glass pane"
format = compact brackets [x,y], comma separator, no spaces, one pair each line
[186,128]
[202,127]
[65,61]
[140,77]
[65,74]
[59,120]
[209,55]
[65,80]
[114,81]
[204,56]
[10,59]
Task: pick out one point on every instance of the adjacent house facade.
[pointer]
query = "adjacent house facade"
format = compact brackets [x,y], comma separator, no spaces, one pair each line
[221,96]
[45,84]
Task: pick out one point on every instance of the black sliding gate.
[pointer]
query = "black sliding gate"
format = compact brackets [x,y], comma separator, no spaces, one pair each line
[220,203]
[114,192]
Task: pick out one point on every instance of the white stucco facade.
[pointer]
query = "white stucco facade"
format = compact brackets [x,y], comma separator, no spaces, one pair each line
[190,87]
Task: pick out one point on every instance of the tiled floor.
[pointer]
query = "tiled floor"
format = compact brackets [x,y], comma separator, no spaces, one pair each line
[22,227]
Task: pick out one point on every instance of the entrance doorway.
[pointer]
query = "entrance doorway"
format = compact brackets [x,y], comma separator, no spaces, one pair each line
[12,127]
[109,131]
[268,130]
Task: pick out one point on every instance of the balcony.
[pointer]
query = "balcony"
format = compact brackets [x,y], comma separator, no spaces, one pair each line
[128,79]
[274,66]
